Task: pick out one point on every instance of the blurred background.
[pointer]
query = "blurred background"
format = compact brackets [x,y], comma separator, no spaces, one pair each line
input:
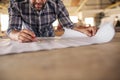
[82,12]
[92,62]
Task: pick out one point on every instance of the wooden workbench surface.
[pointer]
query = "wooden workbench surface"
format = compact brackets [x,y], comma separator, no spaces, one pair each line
[94,62]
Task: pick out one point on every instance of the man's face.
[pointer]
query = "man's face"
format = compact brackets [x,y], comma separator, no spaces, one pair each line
[37,4]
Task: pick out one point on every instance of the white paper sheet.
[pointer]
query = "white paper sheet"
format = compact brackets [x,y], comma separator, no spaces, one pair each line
[70,38]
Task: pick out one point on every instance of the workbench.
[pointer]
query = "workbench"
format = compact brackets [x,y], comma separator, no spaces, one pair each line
[92,62]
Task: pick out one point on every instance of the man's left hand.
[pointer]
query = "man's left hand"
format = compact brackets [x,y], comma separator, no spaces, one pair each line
[90,31]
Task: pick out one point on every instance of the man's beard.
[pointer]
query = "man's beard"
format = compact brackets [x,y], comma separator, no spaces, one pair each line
[38,6]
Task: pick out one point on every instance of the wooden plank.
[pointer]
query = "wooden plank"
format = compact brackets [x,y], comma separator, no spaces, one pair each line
[81,5]
[114,5]
[75,2]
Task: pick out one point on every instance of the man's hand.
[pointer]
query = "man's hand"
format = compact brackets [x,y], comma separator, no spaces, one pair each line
[90,31]
[23,35]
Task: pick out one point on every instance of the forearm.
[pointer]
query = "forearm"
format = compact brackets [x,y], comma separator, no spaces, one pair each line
[80,29]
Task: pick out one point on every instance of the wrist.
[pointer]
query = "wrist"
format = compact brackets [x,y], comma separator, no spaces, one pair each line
[80,29]
[14,35]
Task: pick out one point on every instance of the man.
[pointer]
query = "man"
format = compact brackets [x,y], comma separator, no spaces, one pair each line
[38,16]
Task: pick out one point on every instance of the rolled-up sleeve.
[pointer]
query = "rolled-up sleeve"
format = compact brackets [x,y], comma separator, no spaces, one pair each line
[63,16]
[14,18]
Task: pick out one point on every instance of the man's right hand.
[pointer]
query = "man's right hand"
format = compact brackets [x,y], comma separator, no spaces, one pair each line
[23,35]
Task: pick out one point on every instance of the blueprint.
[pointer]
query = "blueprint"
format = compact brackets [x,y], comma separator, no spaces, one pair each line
[70,38]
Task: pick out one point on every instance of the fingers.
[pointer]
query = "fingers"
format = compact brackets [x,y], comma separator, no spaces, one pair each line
[87,32]
[28,32]
[26,36]
[92,31]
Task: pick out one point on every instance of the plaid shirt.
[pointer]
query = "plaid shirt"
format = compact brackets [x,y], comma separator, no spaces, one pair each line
[40,22]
